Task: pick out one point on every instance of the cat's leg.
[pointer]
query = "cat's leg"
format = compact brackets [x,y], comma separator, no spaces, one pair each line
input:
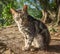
[38,42]
[28,42]
[45,33]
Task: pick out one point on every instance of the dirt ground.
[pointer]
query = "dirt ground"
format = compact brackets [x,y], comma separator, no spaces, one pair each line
[54,47]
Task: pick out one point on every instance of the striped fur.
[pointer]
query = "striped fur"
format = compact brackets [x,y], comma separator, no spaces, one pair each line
[34,31]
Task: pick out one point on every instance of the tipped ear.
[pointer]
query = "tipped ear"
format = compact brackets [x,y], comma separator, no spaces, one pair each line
[13,11]
[25,8]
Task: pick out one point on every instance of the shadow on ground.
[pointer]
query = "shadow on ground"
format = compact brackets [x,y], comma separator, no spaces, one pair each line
[54,48]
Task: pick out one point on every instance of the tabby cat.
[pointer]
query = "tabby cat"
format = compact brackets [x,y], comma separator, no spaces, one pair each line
[34,31]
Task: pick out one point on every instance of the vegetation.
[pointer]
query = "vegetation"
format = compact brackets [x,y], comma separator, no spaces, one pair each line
[46,10]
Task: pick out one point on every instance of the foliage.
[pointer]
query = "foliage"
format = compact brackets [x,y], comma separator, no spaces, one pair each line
[35,8]
[6,15]
[35,13]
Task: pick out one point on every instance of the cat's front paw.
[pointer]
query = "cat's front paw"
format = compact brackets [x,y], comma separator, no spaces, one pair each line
[25,48]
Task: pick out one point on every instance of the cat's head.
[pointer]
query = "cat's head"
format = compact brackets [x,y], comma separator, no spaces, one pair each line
[19,14]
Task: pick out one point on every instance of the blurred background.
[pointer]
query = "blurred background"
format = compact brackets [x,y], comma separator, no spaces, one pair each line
[46,10]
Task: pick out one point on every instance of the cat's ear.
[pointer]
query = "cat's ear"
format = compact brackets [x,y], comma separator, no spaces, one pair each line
[13,11]
[25,8]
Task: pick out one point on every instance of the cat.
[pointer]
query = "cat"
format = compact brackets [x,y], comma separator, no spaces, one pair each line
[35,32]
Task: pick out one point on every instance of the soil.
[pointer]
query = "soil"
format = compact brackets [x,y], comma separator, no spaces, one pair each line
[11,31]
